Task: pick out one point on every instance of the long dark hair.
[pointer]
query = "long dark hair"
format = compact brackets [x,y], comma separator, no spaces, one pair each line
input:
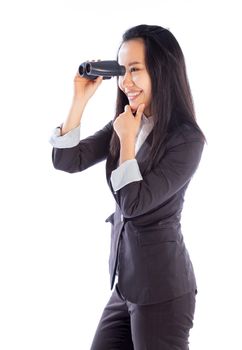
[172,103]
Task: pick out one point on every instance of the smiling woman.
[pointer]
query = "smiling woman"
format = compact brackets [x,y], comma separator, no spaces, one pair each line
[152,149]
[136,83]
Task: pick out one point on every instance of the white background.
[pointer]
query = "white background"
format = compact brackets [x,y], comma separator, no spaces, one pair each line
[54,243]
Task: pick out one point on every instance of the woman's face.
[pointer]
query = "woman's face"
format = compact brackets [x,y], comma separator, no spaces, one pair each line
[136,83]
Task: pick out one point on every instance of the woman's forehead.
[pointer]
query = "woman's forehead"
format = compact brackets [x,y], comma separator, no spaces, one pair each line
[131,51]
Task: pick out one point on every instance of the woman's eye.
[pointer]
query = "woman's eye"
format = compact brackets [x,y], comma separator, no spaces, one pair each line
[133,69]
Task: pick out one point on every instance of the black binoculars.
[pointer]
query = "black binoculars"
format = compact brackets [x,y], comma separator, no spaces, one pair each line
[106,69]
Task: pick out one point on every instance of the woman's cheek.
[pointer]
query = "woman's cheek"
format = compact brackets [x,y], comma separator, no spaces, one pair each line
[135,79]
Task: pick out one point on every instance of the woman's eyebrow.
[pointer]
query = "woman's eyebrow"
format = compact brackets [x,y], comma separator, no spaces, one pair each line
[135,62]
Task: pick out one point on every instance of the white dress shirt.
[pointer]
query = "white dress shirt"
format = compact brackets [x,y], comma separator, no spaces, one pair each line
[128,171]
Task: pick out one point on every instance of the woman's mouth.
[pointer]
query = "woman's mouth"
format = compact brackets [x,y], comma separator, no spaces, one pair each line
[133,95]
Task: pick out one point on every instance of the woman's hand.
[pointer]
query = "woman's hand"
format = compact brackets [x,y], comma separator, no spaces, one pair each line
[127,125]
[84,88]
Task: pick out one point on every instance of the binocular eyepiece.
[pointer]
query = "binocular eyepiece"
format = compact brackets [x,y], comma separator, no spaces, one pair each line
[106,69]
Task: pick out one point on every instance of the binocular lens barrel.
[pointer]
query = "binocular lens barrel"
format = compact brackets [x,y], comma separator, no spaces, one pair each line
[106,69]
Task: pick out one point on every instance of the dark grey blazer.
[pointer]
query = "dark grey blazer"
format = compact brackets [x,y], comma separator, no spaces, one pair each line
[147,246]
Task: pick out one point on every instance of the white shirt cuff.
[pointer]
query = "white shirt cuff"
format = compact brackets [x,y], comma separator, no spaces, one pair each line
[70,139]
[127,172]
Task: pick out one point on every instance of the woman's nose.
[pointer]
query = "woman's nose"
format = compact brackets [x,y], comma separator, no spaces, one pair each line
[126,80]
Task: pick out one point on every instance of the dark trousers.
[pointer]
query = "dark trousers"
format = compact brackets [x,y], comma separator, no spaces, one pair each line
[128,326]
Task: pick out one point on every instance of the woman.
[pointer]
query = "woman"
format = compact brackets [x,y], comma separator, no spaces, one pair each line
[152,149]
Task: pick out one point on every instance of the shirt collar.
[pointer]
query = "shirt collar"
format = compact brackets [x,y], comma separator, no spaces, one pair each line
[147,120]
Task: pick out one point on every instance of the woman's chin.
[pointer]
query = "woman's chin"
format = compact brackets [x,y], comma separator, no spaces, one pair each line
[134,107]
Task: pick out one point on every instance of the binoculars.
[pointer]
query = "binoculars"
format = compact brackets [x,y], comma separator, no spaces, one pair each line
[106,69]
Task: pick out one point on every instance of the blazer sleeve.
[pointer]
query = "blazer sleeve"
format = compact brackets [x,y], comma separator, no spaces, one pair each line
[88,152]
[174,171]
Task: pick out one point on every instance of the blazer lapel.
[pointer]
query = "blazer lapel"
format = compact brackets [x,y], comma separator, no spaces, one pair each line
[144,151]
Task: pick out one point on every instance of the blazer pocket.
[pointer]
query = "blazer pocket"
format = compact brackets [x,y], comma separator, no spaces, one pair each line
[157,236]
[110,219]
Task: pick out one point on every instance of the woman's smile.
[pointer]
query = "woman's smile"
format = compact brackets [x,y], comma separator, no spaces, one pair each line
[132,95]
